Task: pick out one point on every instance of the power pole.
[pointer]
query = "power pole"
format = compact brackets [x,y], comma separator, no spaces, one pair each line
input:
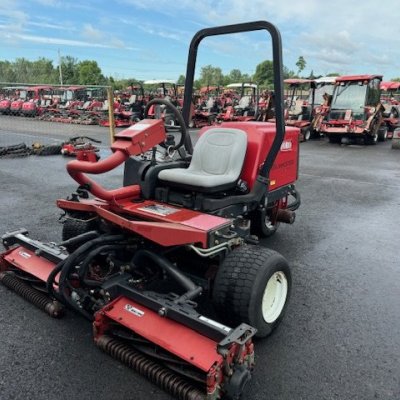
[59,67]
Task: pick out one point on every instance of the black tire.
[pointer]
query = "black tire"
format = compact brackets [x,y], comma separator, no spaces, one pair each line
[334,139]
[240,287]
[383,133]
[261,225]
[371,139]
[306,133]
[49,150]
[77,224]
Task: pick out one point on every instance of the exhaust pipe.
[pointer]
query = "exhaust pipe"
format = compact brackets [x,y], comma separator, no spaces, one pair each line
[286,216]
[157,374]
[40,300]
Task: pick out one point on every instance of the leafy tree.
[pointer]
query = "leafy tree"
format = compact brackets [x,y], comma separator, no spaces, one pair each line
[21,70]
[89,73]
[264,74]
[235,75]
[41,71]
[181,80]
[69,68]
[288,73]
[333,74]
[7,73]
[301,64]
[210,75]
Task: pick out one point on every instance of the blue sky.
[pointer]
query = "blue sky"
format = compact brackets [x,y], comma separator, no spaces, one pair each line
[149,39]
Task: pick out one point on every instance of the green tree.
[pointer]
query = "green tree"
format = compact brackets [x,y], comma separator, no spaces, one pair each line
[21,70]
[300,64]
[69,68]
[333,74]
[89,73]
[288,73]
[264,74]
[181,80]
[235,76]
[41,71]
[7,73]
[210,75]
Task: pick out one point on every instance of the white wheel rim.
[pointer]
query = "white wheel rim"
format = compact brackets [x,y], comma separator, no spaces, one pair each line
[307,135]
[274,297]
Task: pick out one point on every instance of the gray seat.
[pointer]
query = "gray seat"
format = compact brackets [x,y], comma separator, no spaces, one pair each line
[216,163]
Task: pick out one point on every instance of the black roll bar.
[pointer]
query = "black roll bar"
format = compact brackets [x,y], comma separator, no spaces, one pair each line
[278,82]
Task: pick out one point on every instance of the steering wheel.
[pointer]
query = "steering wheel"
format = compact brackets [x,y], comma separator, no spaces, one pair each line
[177,115]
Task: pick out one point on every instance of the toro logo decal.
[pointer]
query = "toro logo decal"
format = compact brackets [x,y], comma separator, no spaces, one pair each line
[24,254]
[134,310]
[286,145]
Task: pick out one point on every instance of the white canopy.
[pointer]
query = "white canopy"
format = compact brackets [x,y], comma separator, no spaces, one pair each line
[239,85]
[158,81]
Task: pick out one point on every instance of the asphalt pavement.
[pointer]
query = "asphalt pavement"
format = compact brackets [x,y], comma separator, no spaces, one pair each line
[340,338]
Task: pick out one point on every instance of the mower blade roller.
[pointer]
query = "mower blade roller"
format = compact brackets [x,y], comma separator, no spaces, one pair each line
[168,267]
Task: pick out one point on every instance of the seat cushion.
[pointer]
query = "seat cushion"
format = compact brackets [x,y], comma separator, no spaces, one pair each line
[217,160]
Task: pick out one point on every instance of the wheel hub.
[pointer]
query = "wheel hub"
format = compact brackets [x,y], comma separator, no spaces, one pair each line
[274,297]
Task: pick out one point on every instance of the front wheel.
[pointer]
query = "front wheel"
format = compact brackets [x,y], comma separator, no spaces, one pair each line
[253,285]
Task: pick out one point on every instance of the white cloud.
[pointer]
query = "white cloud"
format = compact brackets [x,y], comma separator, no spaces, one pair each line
[61,41]
[60,27]
[91,33]
[163,32]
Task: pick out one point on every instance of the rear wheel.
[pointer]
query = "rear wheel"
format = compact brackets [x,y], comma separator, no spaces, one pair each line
[371,139]
[253,285]
[77,223]
[383,134]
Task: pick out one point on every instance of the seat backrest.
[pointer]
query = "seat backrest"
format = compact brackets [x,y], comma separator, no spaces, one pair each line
[220,151]
[244,102]
[210,103]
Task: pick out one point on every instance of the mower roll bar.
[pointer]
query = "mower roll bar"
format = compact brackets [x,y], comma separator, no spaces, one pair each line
[278,82]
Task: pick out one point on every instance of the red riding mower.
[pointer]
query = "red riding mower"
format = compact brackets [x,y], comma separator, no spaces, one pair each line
[81,147]
[168,267]
[391,104]
[299,112]
[356,111]
[246,107]
[206,110]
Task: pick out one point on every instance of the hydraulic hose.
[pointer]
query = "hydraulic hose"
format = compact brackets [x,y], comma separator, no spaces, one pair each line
[192,289]
[72,261]
[92,254]
[78,169]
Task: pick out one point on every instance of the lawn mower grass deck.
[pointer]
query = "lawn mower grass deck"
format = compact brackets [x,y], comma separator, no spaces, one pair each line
[152,273]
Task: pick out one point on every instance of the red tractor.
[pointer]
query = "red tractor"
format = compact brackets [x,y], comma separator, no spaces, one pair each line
[168,267]
[390,99]
[356,111]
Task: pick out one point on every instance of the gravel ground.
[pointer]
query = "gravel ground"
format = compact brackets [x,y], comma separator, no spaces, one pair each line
[340,338]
